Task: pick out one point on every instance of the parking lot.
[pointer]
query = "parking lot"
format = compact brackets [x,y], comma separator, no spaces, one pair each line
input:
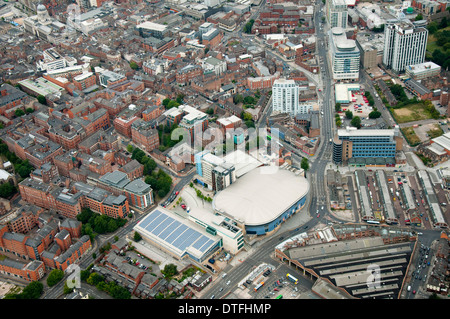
[359,106]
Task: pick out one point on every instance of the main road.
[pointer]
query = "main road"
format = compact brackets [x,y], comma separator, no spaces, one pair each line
[317,197]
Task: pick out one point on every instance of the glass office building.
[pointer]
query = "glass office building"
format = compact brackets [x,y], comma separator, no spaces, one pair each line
[345,56]
[354,143]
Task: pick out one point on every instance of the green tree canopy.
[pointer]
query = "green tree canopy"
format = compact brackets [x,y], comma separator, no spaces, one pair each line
[170,270]
[356,122]
[304,164]
[41,99]
[134,65]
[349,114]
[6,190]
[54,277]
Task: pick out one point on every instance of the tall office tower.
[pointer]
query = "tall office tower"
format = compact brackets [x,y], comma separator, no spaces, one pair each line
[345,56]
[404,44]
[337,13]
[285,97]
[351,144]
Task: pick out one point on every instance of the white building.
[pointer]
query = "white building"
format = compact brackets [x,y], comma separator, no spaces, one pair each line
[337,13]
[212,64]
[423,70]
[47,28]
[345,56]
[405,44]
[285,96]
[53,61]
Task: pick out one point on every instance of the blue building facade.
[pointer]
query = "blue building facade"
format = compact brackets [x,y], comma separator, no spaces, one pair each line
[266,228]
[375,146]
[353,143]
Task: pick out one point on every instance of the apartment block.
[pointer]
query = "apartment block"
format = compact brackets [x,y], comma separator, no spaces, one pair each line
[405,44]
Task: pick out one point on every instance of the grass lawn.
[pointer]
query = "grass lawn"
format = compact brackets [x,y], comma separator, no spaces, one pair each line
[410,136]
[435,131]
[431,43]
[410,113]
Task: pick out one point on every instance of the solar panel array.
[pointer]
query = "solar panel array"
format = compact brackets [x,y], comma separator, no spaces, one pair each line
[175,233]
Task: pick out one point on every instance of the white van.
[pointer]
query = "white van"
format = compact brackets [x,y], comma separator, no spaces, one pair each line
[409,288]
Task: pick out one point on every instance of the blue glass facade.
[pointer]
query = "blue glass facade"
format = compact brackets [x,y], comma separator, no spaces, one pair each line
[372,146]
[265,228]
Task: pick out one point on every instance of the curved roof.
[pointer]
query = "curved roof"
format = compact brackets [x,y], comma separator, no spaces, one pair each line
[262,195]
[345,44]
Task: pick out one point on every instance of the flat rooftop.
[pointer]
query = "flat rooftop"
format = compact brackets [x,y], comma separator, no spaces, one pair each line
[261,195]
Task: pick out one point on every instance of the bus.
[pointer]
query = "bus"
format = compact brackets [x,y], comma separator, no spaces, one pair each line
[279,297]
[292,278]
[259,286]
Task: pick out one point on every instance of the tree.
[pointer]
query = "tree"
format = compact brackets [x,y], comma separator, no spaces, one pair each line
[6,190]
[432,27]
[248,26]
[249,100]
[172,104]
[130,148]
[238,98]
[443,24]
[246,116]
[337,107]
[41,99]
[32,291]
[170,270]
[19,112]
[54,277]
[165,102]
[419,17]
[180,98]
[149,166]
[356,122]
[137,237]
[29,110]
[374,114]
[134,65]
[95,279]
[349,114]
[304,164]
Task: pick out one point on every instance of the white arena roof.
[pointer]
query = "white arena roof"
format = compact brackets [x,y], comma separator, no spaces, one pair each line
[261,195]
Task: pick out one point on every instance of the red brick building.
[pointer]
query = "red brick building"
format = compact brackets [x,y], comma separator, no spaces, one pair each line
[189,72]
[133,169]
[123,125]
[32,271]
[11,97]
[144,135]
[84,81]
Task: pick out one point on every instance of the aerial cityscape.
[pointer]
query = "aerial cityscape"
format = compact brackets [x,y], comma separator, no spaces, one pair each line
[250,150]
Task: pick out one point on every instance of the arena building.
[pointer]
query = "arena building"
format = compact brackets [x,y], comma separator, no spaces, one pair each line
[262,199]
